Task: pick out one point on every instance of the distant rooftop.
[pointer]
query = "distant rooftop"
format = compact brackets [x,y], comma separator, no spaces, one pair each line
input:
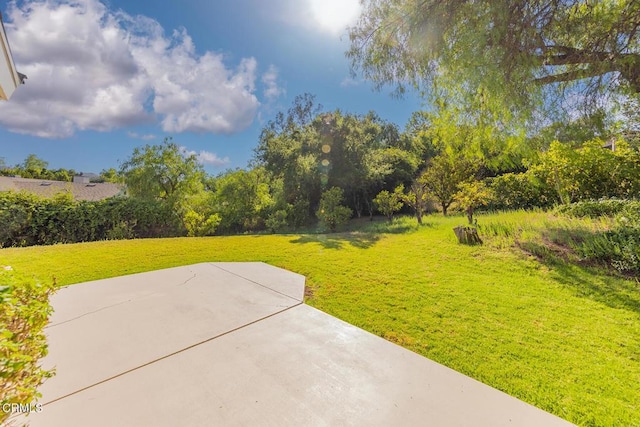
[49,188]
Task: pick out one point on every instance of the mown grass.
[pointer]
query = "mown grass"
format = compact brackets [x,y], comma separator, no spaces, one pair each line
[563,337]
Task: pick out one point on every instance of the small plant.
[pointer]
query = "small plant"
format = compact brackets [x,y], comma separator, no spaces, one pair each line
[331,211]
[24,312]
[199,224]
[388,203]
[277,221]
[472,195]
[596,208]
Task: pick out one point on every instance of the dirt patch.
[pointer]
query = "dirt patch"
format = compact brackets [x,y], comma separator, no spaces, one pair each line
[308,292]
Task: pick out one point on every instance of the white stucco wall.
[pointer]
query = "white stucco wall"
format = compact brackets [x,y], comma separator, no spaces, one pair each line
[9,79]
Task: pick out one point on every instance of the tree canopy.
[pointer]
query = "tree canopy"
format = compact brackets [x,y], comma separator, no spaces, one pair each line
[163,172]
[500,57]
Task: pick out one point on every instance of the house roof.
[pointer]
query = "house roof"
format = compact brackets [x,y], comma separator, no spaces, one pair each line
[48,188]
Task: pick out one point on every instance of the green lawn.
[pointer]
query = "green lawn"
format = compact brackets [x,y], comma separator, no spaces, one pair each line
[563,338]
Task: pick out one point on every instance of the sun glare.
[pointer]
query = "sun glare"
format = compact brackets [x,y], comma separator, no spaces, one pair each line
[335,15]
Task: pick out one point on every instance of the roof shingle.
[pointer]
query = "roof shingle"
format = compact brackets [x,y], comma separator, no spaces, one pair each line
[48,188]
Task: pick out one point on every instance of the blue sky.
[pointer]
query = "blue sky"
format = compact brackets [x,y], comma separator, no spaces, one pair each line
[105,77]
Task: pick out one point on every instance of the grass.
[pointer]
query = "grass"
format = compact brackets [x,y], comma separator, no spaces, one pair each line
[563,337]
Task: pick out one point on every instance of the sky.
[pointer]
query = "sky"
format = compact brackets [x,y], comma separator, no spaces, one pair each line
[107,76]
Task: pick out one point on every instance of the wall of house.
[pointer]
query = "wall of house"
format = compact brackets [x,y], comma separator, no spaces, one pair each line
[9,79]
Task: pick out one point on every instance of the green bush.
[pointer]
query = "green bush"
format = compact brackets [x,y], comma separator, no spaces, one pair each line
[388,203]
[618,247]
[597,208]
[277,221]
[24,312]
[331,211]
[26,219]
[589,172]
[518,191]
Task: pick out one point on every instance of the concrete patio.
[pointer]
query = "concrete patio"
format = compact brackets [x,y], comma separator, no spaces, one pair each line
[234,344]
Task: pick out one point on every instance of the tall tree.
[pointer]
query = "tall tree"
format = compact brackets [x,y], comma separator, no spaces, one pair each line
[162,172]
[312,151]
[242,198]
[34,163]
[499,57]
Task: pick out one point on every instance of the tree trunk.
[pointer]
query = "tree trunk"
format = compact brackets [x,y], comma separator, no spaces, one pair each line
[419,216]
[470,215]
[467,235]
[444,208]
[357,203]
[369,208]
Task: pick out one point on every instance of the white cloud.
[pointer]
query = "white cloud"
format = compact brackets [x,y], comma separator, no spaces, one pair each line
[271,89]
[92,68]
[145,137]
[206,157]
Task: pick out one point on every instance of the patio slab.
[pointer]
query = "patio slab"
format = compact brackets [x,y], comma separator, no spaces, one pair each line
[233,344]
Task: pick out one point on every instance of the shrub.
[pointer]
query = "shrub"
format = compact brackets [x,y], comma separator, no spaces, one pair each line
[26,219]
[518,191]
[590,171]
[388,203]
[619,248]
[24,312]
[472,195]
[276,221]
[595,208]
[331,212]
[199,224]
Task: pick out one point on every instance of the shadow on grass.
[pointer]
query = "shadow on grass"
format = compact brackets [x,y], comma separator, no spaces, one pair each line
[339,240]
[589,282]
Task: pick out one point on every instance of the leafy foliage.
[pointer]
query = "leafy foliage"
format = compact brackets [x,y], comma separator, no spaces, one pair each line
[596,208]
[388,203]
[243,199]
[495,56]
[162,172]
[331,211]
[36,168]
[618,246]
[589,171]
[519,191]
[471,195]
[310,151]
[417,197]
[24,312]
[28,220]
[444,175]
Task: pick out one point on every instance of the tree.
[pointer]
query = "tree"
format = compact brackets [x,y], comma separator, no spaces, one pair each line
[331,210]
[388,203]
[589,171]
[444,175]
[311,151]
[418,198]
[34,163]
[243,199]
[111,175]
[162,172]
[289,149]
[472,195]
[493,56]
